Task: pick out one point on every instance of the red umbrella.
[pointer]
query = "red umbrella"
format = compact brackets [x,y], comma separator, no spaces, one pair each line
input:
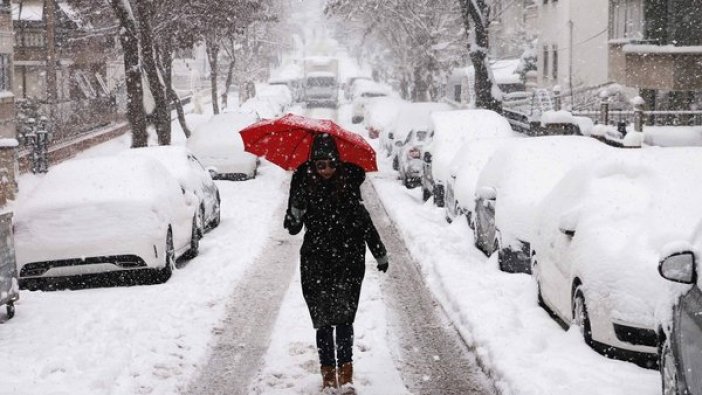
[286,141]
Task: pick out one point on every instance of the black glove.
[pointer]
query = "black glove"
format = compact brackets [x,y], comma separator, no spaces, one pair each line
[383,263]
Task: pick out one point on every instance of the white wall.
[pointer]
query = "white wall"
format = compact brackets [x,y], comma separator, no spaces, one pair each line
[585,42]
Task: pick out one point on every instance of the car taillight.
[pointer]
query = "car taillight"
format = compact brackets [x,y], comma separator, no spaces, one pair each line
[414,153]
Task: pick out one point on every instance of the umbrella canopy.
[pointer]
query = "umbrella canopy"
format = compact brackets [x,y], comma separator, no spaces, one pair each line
[286,141]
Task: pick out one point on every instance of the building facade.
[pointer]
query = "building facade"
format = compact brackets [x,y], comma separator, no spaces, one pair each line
[572,44]
[8,162]
[656,46]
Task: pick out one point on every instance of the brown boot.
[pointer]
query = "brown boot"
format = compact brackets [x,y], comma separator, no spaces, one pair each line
[328,377]
[346,379]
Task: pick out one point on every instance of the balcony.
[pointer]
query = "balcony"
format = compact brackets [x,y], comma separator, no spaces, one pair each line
[656,44]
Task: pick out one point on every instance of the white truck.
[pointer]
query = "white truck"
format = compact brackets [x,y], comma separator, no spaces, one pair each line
[321,81]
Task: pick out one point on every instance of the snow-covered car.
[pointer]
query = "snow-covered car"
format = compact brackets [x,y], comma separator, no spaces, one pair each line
[363,91]
[413,117]
[104,214]
[680,360]
[601,234]
[294,84]
[280,95]
[264,108]
[380,116]
[192,176]
[409,162]
[218,146]
[453,129]
[463,176]
[349,83]
[511,185]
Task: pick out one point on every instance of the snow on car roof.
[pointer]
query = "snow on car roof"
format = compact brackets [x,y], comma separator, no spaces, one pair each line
[369,86]
[525,170]
[381,112]
[452,129]
[220,135]
[416,116]
[172,157]
[316,74]
[103,179]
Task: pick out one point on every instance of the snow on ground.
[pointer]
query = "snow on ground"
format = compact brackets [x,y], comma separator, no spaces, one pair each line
[139,339]
[291,365]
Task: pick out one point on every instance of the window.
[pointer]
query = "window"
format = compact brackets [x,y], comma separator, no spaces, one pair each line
[627,20]
[5,73]
[554,66]
[457,93]
[544,71]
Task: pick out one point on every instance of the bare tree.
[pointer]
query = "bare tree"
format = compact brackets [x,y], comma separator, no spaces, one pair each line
[476,19]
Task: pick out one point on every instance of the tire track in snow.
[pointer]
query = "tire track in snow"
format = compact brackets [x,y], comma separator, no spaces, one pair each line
[253,307]
[432,356]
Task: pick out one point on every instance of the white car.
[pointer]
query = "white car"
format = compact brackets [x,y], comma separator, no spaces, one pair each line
[463,176]
[278,94]
[262,107]
[362,91]
[511,185]
[218,146]
[104,214]
[192,176]
[380,117]
[601,234]
[413,117]
[453,129]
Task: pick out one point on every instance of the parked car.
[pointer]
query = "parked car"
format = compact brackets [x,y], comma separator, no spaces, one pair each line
[511,185]
[105,214]
[218,146]
[294,84]
[280,95]
[409,158]
[452,129]
[680,357]
[464,171]
[413,117]
[362,91]
[348,85]
[192,176]
[600,237]
[380,117]
[262,107]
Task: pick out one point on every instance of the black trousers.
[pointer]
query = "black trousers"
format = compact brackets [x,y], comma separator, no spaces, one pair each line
[344,345]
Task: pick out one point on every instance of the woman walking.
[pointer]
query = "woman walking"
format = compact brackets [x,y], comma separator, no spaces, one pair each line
[325,197]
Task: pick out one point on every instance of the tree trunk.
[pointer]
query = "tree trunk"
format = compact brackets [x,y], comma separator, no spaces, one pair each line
[162,112]
[212,48]
[129,39]
[228,83]
[165,63]
[475,14]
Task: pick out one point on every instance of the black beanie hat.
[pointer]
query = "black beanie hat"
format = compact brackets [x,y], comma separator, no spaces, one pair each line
[324,147]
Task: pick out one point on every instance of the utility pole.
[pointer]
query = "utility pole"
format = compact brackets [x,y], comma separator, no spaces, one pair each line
[51,86]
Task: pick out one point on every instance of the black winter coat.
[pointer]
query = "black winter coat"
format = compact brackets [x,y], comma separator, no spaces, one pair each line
[338,227]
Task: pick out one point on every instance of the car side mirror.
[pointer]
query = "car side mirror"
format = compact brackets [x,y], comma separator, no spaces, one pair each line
[486,193]
[212,170]
[427,157]
[568,232]
[679,267]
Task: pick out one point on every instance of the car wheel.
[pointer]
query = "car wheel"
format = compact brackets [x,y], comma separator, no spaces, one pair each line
[10,308]
[165,273]
[218,213]
[580,315]
[425,194]
[194,240]
[669,370]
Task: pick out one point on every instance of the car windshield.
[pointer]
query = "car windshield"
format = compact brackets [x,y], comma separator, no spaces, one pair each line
[320,81]
[421,135]
[373,94]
